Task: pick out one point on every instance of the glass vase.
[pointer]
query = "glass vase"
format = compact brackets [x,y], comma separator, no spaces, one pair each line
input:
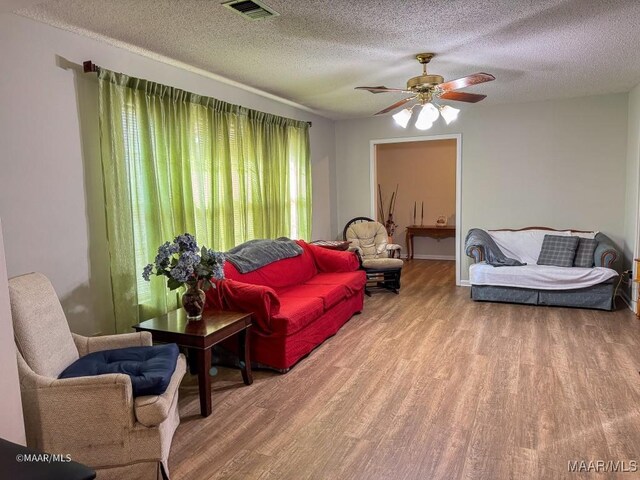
[193,301]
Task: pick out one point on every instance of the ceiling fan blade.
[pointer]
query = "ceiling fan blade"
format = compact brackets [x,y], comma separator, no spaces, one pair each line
[381,89]
[396,105]
[463,97]
[467,81]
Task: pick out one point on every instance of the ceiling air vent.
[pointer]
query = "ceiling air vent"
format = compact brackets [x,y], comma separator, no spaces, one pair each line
[251,9]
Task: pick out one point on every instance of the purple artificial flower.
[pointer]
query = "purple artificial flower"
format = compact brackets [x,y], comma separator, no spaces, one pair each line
[188,259]
[216,263]
[146,273]
[186,242]
[180,274]
[165,251]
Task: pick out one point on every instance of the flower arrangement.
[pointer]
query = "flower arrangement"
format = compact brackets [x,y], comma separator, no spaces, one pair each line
[184,263]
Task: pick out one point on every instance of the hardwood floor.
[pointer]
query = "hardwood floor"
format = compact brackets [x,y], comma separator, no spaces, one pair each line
[430,385]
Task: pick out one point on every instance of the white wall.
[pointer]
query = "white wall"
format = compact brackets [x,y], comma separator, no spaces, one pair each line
[631,234]
[556,163]
[50,188]
[11,419]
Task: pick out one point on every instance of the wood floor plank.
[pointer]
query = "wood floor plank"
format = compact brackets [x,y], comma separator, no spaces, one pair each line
[428,384]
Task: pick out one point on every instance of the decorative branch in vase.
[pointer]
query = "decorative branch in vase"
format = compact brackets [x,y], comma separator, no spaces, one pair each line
[387,219]
[185,264]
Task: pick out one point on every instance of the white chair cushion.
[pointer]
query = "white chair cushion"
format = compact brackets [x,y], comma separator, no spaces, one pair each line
[383,263]
[369,237]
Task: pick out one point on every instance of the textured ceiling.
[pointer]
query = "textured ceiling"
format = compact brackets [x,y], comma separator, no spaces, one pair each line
[316,52]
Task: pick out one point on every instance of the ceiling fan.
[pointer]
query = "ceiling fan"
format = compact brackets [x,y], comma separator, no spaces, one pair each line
[427,87]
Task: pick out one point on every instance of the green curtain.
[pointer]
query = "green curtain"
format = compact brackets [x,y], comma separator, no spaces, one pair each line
[176,162]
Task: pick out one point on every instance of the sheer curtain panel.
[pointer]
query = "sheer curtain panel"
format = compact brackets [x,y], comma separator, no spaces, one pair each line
[176,162]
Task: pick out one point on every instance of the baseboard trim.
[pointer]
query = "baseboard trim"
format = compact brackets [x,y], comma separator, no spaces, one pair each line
[465,283]
[435,257]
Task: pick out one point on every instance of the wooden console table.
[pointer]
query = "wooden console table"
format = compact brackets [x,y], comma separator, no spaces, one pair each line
[432,231]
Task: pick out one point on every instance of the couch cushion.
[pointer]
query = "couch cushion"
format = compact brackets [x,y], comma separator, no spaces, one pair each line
[584,253]
[296,313]
[150,368]
[283,273]
[558,250]
[523,245]
[352,281]
[329,294]
[540,277]
[332,260]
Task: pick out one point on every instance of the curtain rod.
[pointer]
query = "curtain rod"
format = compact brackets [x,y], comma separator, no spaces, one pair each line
[89,67]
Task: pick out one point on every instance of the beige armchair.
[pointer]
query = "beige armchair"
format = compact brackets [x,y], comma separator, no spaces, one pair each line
[369,239]
[95,419]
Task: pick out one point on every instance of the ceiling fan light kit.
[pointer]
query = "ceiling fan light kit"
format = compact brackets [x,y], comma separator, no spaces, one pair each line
[427,87]
[449,114]
[402,117]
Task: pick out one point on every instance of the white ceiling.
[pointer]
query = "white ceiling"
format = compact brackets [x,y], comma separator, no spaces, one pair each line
[316,52]
[8,6]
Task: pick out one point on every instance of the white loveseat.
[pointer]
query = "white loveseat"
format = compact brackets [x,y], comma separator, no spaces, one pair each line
[543,284]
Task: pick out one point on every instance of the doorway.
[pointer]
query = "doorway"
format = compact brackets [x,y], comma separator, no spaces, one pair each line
[427,173]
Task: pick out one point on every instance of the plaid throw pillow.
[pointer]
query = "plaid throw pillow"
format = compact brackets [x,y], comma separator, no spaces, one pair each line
[558,250]
[584,253]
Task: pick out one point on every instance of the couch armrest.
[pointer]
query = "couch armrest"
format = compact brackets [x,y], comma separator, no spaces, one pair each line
[263,302]
[333,260]
[476,244]
[476,252]
[87,345]
[606,254]
[357,251]
[152,410]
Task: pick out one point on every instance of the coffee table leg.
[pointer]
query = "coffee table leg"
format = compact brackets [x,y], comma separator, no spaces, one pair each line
[245,355]
[192,357]
[204,380]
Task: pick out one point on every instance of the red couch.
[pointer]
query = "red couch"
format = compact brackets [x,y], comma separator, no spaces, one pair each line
[297,303]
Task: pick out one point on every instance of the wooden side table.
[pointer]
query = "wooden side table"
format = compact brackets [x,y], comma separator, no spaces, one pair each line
[432,231]
[199,337]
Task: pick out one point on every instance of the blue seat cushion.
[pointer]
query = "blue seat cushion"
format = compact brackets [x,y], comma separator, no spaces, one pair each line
[150,368]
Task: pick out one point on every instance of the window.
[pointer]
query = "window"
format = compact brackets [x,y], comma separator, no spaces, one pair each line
[177,162]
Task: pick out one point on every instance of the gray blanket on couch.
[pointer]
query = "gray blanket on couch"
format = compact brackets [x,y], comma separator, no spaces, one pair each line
[254,254]
[492,253]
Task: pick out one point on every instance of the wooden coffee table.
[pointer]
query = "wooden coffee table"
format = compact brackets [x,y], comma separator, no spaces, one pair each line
[199,337]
